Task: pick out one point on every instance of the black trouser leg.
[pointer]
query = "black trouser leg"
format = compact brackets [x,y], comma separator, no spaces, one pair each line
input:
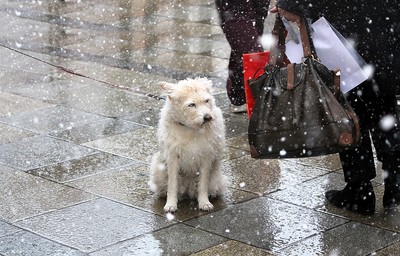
[373,106]
[242,23]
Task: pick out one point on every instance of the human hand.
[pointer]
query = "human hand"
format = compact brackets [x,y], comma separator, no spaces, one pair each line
[288,15]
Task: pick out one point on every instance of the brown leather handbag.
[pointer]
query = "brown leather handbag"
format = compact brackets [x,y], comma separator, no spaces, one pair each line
[299,109]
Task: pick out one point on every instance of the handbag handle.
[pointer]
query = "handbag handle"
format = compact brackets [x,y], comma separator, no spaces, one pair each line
[278,56]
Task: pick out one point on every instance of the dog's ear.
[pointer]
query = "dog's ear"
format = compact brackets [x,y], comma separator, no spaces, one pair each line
[167,87]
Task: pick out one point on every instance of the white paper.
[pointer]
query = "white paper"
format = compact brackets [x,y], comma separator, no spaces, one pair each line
[335,52]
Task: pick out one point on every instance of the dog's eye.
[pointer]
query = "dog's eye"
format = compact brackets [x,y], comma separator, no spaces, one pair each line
[192,105]
[207,100]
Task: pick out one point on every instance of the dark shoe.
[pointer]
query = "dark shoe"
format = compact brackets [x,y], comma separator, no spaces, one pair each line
[355,197]
[391,197]
[238,109]
[235,91]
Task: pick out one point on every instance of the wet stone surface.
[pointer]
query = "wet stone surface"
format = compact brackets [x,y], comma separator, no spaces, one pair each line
[274,224]
[25,195]
[82,167]
[232,247]
[79,106]
[51,119]
[26,243]
[95,224]
[9,134]
[7,229]
[38,151]
[372,238]
[174,240]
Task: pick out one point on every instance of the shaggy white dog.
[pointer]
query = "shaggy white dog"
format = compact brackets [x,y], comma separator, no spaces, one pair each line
[191,137]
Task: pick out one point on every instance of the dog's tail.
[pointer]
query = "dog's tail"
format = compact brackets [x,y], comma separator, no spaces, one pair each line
[158,176]
[218,184]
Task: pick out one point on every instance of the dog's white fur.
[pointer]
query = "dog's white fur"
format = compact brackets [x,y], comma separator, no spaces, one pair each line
[191,138]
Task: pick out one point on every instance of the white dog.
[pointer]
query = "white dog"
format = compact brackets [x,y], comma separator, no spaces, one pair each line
[191,137]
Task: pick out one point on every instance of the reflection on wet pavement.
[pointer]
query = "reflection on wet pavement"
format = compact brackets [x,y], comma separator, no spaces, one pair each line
[77,129]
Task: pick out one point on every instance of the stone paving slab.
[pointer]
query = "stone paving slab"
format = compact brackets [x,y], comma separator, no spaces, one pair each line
[9,134]
[109,102]
[84,133]
[129,144]
[81,167]
[11,104]
[147,117]
[38,151]
[51,119]
[48,89]
[168,241]
[92,225]
[17,62]
[128,185]
[28,244]
[232,247]
[390,250]
[267,175]
[25,196]
[340,241]
[309,194]
[274,224]
[7,229]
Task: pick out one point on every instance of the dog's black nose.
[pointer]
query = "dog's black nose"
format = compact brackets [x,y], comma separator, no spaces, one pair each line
[207,118]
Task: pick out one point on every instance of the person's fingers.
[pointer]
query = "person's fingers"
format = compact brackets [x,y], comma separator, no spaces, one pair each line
[288,15]
[274,9]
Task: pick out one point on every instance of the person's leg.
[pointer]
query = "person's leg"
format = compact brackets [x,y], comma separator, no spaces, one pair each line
[386,139]
[358,162]
[376,107]
[375,103]
[391,168]
[242,23]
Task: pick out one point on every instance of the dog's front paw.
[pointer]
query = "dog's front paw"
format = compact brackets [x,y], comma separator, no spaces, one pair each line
[170,207]
[206,206]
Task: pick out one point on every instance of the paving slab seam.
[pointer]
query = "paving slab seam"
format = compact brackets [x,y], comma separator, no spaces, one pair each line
[384,248]
[52,164]
[15,223]
[109,199]
[43,236]
[21,128]
[327,169]
[365,222]
[305,207]
[110,170]
[214,233]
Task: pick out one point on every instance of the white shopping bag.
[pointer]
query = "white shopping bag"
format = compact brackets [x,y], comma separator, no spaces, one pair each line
[335,52]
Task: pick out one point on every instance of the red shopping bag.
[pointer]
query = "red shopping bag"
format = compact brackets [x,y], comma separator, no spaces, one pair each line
[253,67]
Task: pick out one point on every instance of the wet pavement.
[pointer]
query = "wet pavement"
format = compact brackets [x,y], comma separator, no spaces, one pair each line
[75,150]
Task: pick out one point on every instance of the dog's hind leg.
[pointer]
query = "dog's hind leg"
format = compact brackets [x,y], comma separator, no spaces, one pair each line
[172,191]
[202,197]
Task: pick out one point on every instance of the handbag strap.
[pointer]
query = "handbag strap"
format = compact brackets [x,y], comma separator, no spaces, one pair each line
[306,40]
[278,57]
[277,51]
